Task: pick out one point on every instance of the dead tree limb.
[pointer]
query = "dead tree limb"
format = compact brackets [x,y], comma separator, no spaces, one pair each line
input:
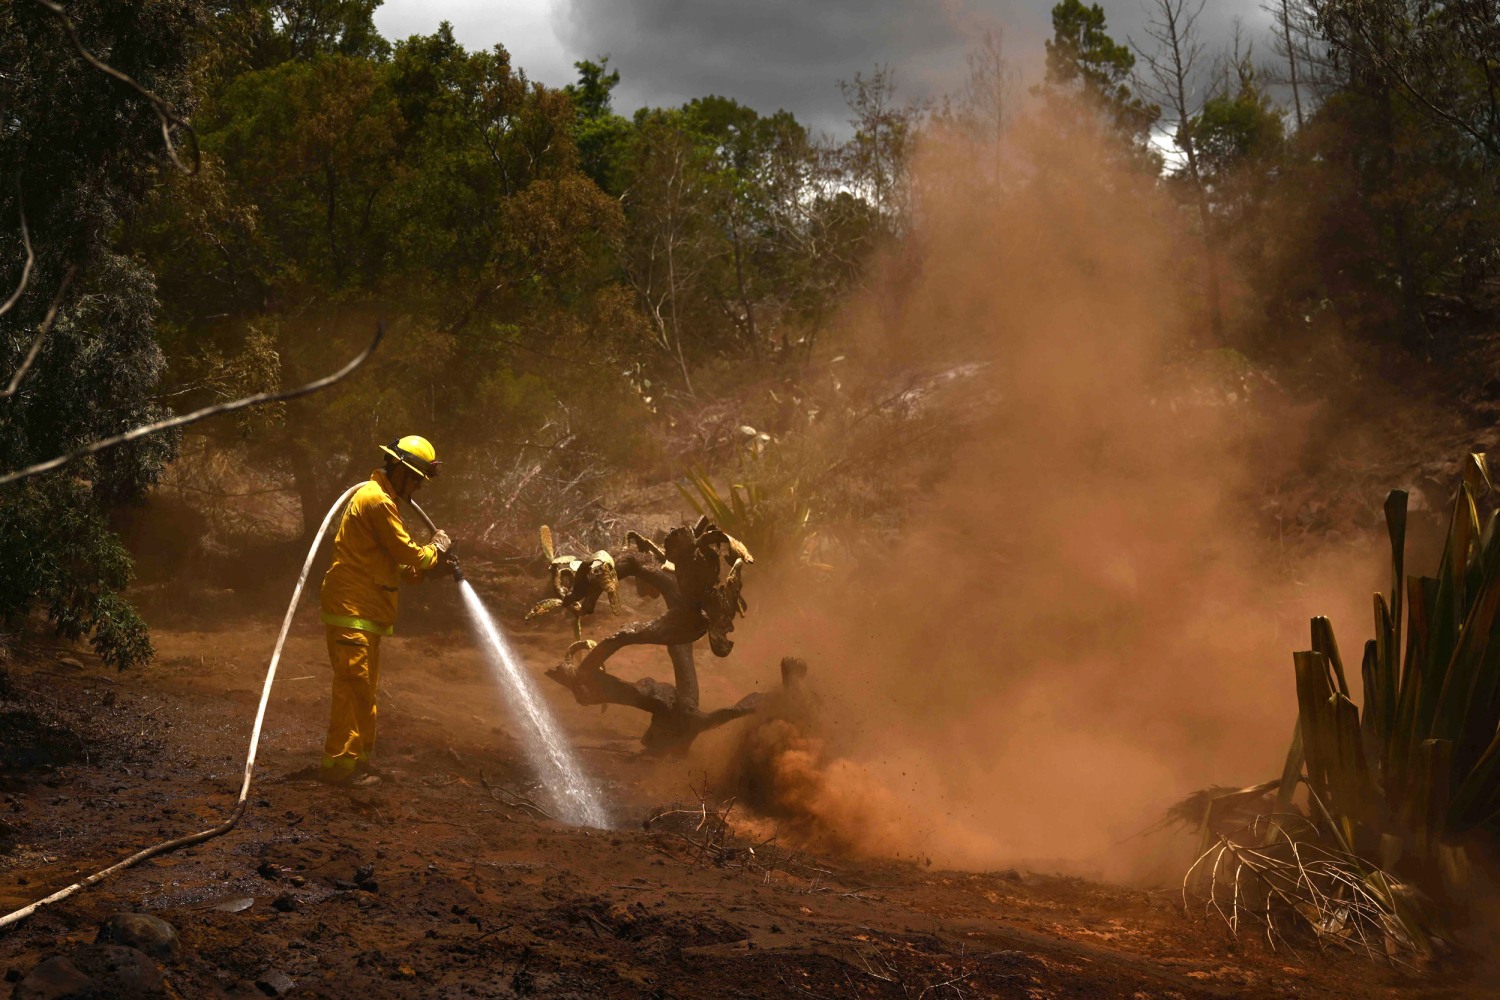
[675,721]
[185,419]
[30,254]
[169,118]
[41,335]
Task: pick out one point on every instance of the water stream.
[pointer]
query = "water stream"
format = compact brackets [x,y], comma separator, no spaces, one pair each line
[575,796]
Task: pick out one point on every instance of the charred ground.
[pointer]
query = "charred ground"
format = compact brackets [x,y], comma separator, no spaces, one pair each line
[446,883]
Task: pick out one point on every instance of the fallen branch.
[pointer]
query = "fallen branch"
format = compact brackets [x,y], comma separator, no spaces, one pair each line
[495,930]
[513,799]
[856,893]
[217,409]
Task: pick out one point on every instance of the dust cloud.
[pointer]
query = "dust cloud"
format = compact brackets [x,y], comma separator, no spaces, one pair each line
[1083,619]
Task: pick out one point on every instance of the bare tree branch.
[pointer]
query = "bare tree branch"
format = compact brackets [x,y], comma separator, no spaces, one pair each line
[197,415]
[30,255]
[169,118]
[1392,45]
[1281,16]
[1171,69]
[41,335]
[1172,65]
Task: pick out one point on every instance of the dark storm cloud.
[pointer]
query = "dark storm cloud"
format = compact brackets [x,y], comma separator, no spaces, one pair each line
[768,53]
[792,53]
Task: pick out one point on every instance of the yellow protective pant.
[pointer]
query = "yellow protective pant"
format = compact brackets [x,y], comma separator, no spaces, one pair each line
[355,657]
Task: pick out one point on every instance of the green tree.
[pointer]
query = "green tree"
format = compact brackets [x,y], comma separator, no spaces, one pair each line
[599,133]
[438,188]
[668,242]
[1239,141]
[1085,63]
[1437,56]
[80,153]
[1238,125]
[1392,179]
[311,144]
[737,237]
[775,264]
[248,35]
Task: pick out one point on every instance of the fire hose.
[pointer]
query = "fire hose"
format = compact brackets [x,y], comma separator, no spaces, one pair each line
[458,573]
[235,815]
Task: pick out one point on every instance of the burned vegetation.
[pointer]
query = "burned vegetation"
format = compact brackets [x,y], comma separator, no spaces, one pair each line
[697,572]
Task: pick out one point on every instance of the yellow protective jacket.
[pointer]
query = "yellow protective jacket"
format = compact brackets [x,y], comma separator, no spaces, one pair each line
[372,554]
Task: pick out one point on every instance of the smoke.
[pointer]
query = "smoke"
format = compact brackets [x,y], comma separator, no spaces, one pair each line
[1082,620]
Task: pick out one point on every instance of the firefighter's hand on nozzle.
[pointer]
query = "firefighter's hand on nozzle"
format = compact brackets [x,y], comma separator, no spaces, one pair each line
[442,541]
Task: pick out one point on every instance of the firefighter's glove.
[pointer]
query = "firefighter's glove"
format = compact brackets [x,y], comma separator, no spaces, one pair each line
[442,541]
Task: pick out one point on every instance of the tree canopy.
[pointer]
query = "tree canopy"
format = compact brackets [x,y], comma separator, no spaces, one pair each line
[559,279]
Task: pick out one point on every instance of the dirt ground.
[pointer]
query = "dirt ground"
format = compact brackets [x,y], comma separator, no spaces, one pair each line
[439,885]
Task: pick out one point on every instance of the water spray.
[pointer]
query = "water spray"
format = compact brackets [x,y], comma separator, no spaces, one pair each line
[575,796]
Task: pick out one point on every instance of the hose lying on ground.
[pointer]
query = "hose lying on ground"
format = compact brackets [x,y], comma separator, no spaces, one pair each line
[239,807]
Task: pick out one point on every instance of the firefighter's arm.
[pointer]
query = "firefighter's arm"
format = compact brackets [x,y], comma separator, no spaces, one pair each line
[413,559]
[443,544]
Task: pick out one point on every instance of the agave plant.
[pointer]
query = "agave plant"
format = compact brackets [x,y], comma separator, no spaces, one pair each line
[770,521]
[1401,789]
[1415,775]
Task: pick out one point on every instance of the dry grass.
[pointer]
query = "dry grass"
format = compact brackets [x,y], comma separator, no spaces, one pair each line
[1277,876]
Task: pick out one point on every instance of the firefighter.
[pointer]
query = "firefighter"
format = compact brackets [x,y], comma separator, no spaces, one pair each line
[372,554]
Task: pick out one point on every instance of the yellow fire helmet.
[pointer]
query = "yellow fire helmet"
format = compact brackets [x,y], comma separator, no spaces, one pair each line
[416,453]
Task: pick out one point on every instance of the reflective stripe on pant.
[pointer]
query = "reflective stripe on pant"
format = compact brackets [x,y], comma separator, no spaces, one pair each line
[355,657]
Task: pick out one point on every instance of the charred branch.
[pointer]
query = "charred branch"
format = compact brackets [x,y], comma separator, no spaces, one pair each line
[676,719]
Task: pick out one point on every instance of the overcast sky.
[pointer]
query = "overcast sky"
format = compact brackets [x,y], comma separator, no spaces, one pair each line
[772,54]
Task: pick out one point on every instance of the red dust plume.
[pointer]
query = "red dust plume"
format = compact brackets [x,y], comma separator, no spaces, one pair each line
[1083,620]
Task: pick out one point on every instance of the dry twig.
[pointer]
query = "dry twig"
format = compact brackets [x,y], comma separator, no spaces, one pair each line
[1284,883]
[30,255]
[513,799]
[41,334]
[711,841]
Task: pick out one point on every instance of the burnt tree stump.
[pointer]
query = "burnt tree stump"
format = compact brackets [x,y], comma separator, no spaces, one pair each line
[676,719]
[698,603]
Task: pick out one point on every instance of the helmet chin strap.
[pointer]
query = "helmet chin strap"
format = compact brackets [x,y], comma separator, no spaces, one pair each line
[402,479]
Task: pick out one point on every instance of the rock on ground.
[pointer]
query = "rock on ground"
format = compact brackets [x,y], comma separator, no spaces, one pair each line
[151,935]
[55,979]
[93,972]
